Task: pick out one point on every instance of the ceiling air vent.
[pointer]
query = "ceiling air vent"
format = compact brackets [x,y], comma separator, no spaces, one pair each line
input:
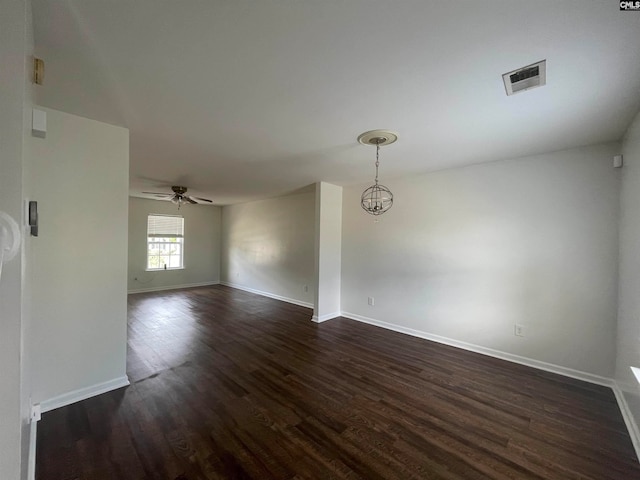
[526,78]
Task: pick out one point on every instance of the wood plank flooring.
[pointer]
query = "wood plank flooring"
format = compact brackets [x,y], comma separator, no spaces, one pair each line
[230,385]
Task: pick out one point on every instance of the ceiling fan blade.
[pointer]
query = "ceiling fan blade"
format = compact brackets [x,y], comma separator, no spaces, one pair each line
[203,199]
[159,194]
[189,199]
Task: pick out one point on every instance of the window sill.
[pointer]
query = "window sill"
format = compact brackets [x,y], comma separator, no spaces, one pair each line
[162,269]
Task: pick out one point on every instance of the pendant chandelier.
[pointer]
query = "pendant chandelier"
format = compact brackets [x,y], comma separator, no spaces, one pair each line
[377,199]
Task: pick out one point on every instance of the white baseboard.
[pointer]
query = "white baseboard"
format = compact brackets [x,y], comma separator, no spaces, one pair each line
[325,317]
[83,393]
[171,287]
[549,367]
[628,417]
[267,294]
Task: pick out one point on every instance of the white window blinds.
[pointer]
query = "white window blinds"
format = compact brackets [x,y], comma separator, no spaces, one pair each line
[165,226]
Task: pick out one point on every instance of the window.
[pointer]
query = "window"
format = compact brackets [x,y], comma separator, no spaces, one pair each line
[165,242]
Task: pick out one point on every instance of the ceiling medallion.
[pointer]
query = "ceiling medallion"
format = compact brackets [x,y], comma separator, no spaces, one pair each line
[377,199]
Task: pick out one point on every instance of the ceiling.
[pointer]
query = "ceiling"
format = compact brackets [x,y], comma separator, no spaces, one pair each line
[240,100]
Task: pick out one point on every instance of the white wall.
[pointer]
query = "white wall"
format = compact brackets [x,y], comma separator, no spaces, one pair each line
[201,246]
[467,253]
[80,179]
[16,42]
[628,351]
[28,428]
[328,251]
[268,246]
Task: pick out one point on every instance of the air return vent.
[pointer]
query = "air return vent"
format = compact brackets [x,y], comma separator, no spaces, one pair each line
[526,78]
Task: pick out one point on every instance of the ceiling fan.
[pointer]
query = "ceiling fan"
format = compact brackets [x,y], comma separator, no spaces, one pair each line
[179,196]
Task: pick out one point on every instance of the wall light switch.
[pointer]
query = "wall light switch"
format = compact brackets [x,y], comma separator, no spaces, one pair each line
[617,161]
[38,123]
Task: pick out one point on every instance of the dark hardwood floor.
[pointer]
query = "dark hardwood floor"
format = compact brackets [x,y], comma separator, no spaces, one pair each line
[230,385]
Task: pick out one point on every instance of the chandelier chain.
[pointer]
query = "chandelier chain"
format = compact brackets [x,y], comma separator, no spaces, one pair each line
[377,159]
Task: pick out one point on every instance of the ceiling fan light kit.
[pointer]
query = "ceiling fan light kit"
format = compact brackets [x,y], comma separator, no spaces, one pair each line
[377,199]
[179,196]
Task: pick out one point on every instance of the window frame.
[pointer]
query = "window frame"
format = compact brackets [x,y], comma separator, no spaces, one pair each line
[158,240]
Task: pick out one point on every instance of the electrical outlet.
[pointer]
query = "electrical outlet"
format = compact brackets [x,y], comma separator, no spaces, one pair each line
[518,330]
[371,301]
[305,288]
